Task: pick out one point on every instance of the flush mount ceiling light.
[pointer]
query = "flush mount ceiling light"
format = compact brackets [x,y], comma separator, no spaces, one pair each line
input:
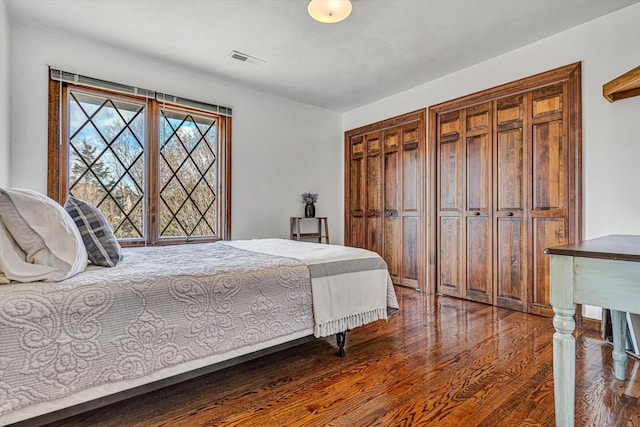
[329,11]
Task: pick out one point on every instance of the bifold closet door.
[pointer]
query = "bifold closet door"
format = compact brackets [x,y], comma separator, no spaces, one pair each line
[478,198]
[465,258]
[356,192]
[507,162]
[511,160]
[384,194]
[549,186]
[450,218]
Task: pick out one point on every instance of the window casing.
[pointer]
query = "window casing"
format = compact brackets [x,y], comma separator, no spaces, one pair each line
[159,171]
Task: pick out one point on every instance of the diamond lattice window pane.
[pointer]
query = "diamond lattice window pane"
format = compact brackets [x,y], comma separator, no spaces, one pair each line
[202,229]
[88,188]
[188,175]
[106,165]
[203,158]
[203,197]
[187,167]
[173,195]
[81,108]
[108,120]
[174,153]
[127,148]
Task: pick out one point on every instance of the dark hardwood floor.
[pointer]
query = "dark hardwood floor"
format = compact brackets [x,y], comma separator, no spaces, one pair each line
[440,361]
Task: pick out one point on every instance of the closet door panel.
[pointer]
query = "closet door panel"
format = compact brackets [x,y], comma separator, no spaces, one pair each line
[478,164]
[478,255]
[450,239]
[511,278]
[410,183]
[547,232]
[449,161]
[450,175]
[357,222]
[450,256]
[549,188]
[548,166]
[391,246]
[357,193]
[392,243]
[374,233]
[478,200]
[510,168]
[511,268]
[410,205]
[410,251]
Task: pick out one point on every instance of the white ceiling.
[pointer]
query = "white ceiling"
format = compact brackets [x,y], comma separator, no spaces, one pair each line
[382,48]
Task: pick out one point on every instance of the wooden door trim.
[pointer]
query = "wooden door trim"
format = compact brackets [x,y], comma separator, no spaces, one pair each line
[569,74]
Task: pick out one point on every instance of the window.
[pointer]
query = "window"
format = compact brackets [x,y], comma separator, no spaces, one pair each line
[157,166]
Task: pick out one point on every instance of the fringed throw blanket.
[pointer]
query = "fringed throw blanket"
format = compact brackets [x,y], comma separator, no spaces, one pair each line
[350,287]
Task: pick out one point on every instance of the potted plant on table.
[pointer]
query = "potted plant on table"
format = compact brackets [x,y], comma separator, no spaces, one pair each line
[309,199]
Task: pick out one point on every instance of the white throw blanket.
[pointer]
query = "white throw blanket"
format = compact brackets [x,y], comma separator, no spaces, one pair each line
[350,286]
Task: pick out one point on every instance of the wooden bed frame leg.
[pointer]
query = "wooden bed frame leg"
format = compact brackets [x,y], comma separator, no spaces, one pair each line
[341,339]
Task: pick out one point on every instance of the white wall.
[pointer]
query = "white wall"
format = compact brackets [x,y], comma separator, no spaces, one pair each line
[4,95]
[280,148]
[607,47]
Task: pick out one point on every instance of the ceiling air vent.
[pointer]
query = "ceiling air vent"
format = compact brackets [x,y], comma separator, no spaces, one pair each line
[245,58]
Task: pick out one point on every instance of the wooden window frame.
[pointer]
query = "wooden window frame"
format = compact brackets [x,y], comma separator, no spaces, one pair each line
[58,163]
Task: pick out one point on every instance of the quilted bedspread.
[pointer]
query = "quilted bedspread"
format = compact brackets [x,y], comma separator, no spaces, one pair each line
[159,308]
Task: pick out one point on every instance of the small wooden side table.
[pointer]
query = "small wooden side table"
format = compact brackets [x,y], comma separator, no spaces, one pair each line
[322,233]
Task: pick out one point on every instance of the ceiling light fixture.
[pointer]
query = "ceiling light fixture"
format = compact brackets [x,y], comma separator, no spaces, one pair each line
[329,11]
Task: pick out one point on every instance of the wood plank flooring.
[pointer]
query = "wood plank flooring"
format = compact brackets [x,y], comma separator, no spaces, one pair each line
[439,361]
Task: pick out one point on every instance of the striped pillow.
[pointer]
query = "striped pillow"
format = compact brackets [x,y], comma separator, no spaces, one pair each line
[102,245]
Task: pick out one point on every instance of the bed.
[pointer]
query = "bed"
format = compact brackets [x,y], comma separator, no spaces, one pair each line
[164,313]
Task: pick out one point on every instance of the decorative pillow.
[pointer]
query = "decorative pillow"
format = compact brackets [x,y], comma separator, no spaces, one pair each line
[50,244]
[3,279]
[101,244]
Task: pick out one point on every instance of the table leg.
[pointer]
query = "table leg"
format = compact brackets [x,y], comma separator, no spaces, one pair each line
[564,365]
[619,325]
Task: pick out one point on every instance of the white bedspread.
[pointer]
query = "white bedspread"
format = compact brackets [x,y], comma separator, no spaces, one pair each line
[350,286]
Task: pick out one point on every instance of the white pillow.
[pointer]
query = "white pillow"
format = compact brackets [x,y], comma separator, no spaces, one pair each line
[49,239]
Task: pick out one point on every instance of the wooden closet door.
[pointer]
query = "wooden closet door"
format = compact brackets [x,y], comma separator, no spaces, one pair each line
[511,156]
[384,189]
[356,192]
[392,240]
[478,197]
[548,188]
[450,238]
[507,166]
[373,188]
[411,239]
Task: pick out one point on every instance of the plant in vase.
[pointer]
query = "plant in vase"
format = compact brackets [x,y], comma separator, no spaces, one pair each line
[309,199]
